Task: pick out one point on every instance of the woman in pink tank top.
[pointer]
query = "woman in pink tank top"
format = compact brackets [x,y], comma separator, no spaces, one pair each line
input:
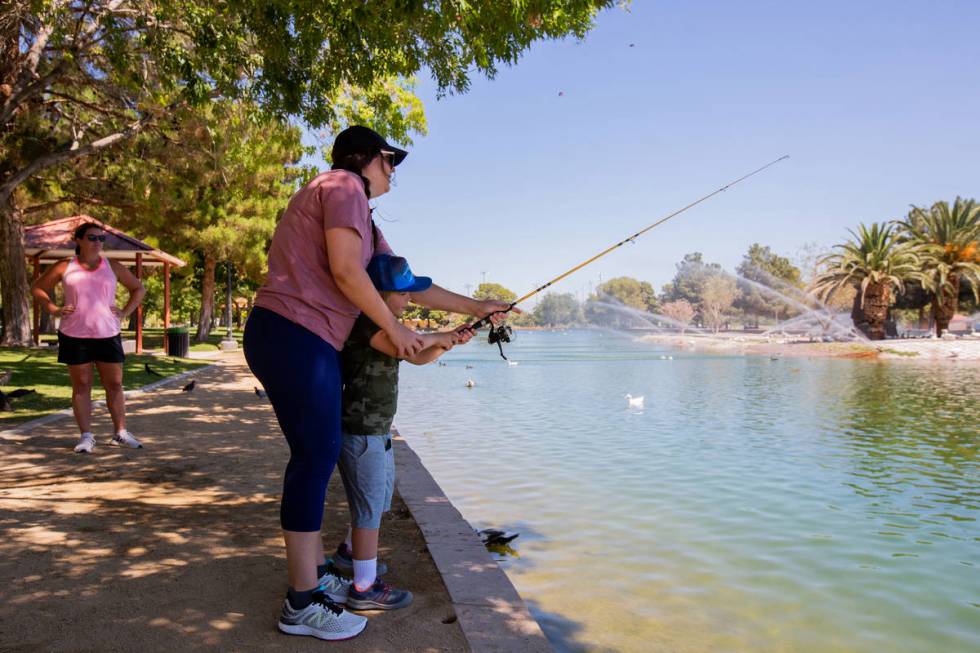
[89,329]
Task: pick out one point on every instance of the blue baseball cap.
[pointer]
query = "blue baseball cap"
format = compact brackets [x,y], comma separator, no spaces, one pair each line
[392,274]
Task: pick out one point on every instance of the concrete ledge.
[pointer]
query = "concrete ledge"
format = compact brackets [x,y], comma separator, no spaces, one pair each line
[26,427]
[491,613]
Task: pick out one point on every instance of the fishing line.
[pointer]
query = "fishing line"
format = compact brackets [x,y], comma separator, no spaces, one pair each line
[503,333]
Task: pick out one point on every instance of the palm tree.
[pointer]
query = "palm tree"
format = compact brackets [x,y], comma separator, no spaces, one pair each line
[946,241]
[873,262]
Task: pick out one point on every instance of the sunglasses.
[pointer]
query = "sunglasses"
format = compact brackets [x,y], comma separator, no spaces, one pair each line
[389,157]
[91,238]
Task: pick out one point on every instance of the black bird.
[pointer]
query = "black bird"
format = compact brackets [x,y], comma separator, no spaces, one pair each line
[495,537]
[189,386]
[13,394]
[260,393]
[150,370]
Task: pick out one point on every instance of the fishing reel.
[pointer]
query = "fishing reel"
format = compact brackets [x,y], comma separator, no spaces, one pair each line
[499,335]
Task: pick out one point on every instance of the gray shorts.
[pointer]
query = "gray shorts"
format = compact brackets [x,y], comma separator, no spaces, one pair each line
[367,466]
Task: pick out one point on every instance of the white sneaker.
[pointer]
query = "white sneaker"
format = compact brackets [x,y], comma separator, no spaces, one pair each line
[335,586]
[85,443]
[125,439]
[322,619]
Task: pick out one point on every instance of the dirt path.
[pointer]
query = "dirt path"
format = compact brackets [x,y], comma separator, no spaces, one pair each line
[176,547]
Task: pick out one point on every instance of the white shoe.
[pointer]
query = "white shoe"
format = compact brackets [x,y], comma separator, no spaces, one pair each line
[322,619]
[85,443]
[125,439]
[335,586]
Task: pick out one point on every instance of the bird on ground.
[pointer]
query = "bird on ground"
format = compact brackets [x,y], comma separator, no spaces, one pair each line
[190,386]
[260,393]
[441,364]
[496,537]
[469,367]
[634,402]
[150,370]
[13,394]
[470,383]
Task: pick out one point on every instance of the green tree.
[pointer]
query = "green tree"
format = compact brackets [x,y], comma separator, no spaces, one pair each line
[494,291]
[760,265]
[719,293]
[558,309]
[78,77]
[874,262]
[218,188]
[946,240]
[689,279]
[630,292]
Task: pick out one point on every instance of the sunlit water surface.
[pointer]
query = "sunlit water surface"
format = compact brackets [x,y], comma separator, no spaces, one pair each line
[752,505]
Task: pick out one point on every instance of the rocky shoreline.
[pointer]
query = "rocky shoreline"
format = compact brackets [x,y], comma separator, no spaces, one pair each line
[957,348]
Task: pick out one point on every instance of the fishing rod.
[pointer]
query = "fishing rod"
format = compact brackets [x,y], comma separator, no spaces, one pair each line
[502,333]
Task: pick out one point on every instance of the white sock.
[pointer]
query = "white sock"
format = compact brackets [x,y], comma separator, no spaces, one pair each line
[365,573]
[87,434]
[347,542]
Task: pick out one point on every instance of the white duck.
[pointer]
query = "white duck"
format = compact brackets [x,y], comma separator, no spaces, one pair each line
[470,383]
[634,402]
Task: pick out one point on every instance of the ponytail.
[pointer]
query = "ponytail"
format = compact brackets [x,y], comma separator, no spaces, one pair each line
[355,163]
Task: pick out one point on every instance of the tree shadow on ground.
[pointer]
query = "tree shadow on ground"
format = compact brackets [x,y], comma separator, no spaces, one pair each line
[176,546]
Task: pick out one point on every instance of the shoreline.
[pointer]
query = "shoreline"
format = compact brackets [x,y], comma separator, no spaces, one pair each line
[960,349]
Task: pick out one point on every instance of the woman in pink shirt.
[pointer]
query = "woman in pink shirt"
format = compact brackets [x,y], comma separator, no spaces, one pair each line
[316,287]
[89,329]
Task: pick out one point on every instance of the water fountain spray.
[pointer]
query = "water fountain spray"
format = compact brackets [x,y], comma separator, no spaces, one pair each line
[502,333]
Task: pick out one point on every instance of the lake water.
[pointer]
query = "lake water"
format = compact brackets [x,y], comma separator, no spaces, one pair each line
[790,505]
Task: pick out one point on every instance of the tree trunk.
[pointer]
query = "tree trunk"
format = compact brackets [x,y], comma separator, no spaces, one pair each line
[207,299]
[876,301]
[13,278]
[944,305]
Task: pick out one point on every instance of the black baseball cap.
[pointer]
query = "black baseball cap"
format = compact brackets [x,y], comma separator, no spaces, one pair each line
[358,139]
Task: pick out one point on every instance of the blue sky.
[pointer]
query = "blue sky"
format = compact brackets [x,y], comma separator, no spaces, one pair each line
[878,104]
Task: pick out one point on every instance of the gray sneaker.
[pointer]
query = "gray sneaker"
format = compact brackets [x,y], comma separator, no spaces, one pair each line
[380,596]
[322,619]
[335,586]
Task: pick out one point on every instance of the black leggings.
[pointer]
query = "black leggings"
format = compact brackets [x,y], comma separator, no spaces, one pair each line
[301,374]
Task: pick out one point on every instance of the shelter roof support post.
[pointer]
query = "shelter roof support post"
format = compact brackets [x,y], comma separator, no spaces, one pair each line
[166,306]
[139,309]
[36,305]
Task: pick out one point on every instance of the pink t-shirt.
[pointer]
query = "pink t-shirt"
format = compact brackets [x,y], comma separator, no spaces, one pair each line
[93,294]
[300,286]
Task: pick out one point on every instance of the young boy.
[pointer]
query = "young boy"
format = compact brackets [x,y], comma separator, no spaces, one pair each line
[367,464]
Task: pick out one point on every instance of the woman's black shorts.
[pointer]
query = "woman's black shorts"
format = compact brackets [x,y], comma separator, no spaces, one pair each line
[78,351]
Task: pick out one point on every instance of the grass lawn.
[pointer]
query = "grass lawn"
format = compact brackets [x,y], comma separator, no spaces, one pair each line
[40,370]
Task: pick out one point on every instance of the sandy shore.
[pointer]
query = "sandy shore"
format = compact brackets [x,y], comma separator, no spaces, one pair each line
[176,546]
[961,349]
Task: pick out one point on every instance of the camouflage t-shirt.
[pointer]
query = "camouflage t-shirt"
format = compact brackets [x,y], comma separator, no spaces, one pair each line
[370,383]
